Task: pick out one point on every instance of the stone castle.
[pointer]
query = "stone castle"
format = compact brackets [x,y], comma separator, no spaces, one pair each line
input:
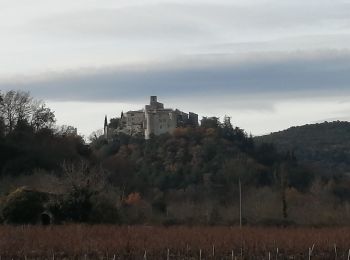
[154,119]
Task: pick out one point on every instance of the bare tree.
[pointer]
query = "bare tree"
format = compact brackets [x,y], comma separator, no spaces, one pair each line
[41,116]
[94,136]
[17,106]
[66,130]
[82,176]
[7,110]
[22,106]
[81,183]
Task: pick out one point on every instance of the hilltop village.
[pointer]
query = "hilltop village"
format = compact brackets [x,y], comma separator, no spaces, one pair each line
[154,119]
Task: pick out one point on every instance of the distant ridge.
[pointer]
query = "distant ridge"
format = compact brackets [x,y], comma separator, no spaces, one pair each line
[325,145]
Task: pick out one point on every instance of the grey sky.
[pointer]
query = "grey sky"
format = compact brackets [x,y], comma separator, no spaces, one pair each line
[241,55]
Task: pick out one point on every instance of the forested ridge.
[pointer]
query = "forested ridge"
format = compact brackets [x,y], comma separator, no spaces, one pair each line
[324,145]
[49,174]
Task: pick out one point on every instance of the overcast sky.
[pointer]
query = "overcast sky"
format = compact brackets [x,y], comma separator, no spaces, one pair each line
[268,64]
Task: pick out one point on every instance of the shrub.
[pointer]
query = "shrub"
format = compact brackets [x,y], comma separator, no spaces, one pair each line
[104,211]
[23,206]
[270,222]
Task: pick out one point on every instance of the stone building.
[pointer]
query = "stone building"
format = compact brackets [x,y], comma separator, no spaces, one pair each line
[133,122]
[154,119]
[159,120]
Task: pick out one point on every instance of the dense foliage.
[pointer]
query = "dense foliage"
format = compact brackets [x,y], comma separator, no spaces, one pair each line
[23,206]
[29,140]
[193,157]
[325,145]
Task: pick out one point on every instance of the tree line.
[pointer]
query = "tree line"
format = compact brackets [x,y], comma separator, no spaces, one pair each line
[49,174]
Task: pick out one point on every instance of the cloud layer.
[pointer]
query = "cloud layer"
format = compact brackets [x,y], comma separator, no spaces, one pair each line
[281,75]
[41,36]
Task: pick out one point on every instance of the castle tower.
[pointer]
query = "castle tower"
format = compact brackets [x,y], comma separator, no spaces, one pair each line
[159,120]
[153,100]
[150,111]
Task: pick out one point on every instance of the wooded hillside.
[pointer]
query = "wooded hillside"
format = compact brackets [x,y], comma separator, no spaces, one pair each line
[325,145]
[188,177]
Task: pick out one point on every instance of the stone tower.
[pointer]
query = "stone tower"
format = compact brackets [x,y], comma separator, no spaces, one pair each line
[159,120]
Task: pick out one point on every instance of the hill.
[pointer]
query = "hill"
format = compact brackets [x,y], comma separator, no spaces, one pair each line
[193,176]
[324,145]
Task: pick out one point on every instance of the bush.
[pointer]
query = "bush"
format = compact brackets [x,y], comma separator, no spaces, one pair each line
[104,211]
[76,206]
[168,222]
[159,206]
[270,222]
[23,206]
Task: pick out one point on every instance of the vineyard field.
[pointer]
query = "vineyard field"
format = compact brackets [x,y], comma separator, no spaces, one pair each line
[146,242]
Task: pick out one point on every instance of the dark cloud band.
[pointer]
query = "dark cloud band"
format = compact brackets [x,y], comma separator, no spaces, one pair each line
[313,73]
